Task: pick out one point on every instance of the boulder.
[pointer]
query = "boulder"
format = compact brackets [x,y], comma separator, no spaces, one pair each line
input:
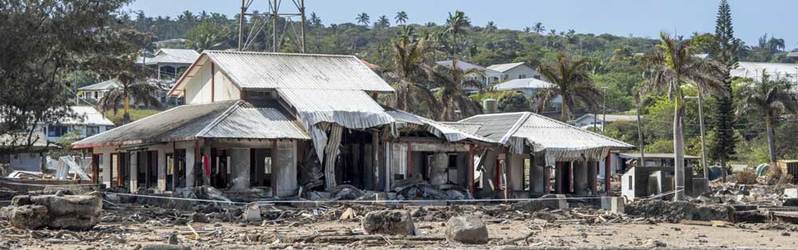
[466,229]
[251,213]
[391,222]
[78,212]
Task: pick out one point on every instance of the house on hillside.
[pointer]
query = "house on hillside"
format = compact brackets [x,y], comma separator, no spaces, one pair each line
[753,70]
[530,87]
[532,150]
[478,73]
[590,120]
[169,64]
[95,92]
[88,122]
[283,123]
[509,71]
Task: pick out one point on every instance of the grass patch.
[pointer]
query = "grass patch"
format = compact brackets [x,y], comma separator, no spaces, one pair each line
[135,114]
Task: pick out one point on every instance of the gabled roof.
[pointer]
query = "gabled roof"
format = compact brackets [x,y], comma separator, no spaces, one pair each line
[262,70]
[504,67]
[175,56]
[87,115]
[543,134]
[463,65]
[219,120]
[525,83]
[101,86]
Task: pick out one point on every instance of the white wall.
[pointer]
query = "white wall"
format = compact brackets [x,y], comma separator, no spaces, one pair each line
[199,89]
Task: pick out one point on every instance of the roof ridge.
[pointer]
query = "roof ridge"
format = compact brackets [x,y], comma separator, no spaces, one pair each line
[229,111]
[275,53]
[515,127]
[575,127]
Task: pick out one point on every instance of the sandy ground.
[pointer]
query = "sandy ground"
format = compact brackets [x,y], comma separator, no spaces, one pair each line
[129,228]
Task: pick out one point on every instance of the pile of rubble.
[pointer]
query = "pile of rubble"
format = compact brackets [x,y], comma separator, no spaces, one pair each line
[78,212]
[675,211]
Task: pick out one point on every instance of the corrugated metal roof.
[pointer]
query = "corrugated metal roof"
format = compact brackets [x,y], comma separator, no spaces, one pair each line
[297,71]
[176,56]
[526,83]
[470,128]
[463,65]
[104,85]
[227,119]
[87,115]
[655,156]
[438,129]
[753,70]
[540,131]
[504,67]
[348,108]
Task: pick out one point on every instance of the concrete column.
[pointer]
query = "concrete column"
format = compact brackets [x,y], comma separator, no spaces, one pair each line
[106,167]
[161,169]
[559,186]
[375,150]
[284,169]
[537,177]
[239,165]
[206,153]
[516,172]
[580,177]
[190,159]
[440,161]
[592,167]
[134,172]
[470,170]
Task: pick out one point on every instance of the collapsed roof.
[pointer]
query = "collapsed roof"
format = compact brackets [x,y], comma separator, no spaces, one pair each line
[558,140]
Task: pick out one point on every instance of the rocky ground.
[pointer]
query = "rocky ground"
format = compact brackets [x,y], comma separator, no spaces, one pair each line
[125,226]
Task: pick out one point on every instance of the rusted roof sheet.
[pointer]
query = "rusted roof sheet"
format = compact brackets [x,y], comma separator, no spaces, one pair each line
[297,71]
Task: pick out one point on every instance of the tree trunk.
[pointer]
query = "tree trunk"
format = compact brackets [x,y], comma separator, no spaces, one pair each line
[126,110]
[678,151]
[771,140]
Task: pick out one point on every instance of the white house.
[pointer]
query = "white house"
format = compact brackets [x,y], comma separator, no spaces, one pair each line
[170,63]
[97,91]
[529,87]
[89,121]
[754,70]
[510,71]
[589,120]
[480,75]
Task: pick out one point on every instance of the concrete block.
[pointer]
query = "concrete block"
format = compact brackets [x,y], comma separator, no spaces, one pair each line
[613,204]
[791,193]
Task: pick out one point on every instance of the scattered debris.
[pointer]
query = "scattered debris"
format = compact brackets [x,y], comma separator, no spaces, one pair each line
[76,212]
[391,222]
[466,229]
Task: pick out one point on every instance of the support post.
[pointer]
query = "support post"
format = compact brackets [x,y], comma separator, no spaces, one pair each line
[470,171]
[608,174]
[409,160]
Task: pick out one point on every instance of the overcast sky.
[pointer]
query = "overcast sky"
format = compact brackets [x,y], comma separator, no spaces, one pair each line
[752,18]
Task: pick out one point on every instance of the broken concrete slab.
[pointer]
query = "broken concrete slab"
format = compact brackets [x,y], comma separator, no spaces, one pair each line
[251,213]
[613,204]
[549,201]
[392,222]
[77,212]
[466,229]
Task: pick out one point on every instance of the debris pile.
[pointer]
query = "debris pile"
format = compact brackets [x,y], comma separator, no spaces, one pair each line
[675,211]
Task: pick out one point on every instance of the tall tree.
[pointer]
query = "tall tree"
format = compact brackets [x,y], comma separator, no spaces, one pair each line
[725,52]
[69,35]
[382,22]
[455,104]
[363,18]
[401,17]
[408,58]
[673,66]
[572,82]
[539,28]
[770,98]
[315,20]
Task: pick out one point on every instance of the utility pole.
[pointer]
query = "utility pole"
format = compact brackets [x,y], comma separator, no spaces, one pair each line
[271,17]
[604,109]
[701,129]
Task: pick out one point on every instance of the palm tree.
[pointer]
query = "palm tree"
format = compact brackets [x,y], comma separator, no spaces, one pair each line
[571,81]
[363,19]
[452,99]
[455,27]
[382,22]
[401,17]
[771,98]
[141,92]
[490,27]
[539,28]
[673,66]
[409,55]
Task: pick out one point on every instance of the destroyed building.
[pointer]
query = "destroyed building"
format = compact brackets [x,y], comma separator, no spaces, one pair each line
[280,122]
[532,149]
